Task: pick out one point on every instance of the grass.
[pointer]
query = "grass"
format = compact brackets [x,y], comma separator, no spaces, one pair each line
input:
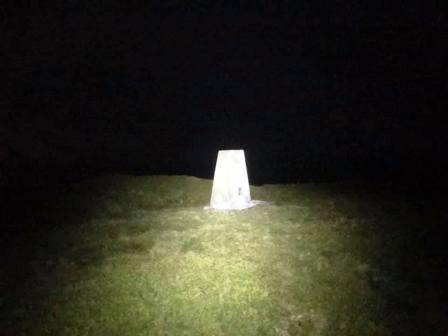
[124,255]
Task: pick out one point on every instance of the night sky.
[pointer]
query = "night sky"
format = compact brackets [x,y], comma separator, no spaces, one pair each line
[313,91]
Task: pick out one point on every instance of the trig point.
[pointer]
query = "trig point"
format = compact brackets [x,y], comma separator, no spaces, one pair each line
[230,183]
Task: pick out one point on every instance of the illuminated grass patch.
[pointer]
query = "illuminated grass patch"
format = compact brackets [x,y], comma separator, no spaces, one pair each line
[310,264]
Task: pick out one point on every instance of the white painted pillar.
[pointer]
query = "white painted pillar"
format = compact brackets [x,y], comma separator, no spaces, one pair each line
[231,189]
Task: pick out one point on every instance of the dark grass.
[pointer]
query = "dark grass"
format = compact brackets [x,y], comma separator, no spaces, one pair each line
[122,255]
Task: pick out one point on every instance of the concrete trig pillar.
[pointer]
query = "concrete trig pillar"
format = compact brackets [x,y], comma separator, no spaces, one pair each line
[231,189]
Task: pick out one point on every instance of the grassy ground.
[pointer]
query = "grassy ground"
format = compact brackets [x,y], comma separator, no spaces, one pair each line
[125,255]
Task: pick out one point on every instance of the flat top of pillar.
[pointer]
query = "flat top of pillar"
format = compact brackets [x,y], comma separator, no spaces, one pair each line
[231,150]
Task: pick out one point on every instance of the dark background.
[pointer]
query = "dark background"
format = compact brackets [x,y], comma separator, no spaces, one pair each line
[313,91]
